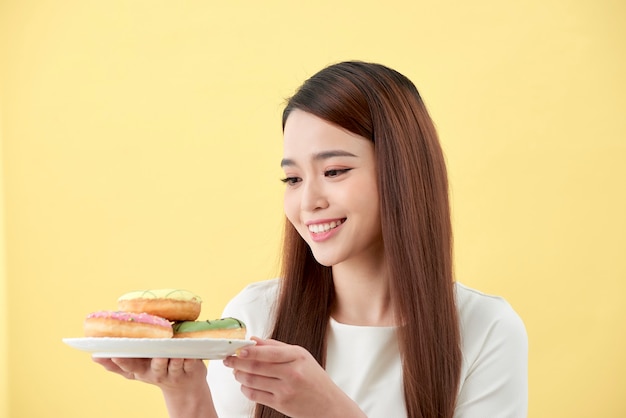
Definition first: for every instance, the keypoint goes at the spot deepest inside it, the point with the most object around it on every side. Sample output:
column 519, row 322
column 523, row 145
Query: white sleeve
column 495, row 374
column 253, row 307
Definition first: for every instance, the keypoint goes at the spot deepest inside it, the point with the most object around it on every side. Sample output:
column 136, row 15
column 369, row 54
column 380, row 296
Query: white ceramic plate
column 197, row 348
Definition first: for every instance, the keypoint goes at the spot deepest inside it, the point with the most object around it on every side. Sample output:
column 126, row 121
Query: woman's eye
column 290, row 180
column 336, row 172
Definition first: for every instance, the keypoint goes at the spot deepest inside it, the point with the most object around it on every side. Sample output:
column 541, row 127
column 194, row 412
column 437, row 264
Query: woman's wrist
column 342, row 406
column 189, row 404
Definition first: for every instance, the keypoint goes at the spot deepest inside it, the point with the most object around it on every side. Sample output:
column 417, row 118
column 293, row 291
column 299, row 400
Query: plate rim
column 107, row 351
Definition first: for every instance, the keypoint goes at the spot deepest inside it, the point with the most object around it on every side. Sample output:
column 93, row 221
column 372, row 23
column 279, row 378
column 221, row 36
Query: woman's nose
column 313, row 196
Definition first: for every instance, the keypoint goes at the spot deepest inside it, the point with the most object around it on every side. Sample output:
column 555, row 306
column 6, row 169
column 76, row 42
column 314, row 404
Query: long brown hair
column 379, row 103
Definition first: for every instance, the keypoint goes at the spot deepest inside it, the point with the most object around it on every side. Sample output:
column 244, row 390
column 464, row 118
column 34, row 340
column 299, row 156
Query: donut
column 227, row 328
column 126, row 325
column 171, row 304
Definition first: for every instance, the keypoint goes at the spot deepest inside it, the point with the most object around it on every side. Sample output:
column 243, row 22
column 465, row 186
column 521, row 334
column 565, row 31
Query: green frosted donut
column 216, row 324
column 225, row 328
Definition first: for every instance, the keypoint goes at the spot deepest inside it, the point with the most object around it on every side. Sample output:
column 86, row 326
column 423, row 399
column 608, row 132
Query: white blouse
column 365, row 362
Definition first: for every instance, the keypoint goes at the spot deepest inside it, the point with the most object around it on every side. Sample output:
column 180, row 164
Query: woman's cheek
column 291, row 207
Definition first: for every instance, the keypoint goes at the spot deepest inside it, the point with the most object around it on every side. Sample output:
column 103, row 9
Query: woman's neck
column 362, row 295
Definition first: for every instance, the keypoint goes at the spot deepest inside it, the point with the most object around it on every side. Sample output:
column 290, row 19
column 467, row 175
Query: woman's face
column 331, row 195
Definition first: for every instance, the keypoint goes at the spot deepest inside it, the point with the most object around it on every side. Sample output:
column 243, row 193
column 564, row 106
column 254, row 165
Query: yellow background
column 140, row 149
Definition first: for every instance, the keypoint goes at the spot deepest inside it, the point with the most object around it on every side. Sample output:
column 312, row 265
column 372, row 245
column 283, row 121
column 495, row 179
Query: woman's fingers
column 132, row 365
column 175, row 366
column 286, row 378
column 261, row 341
column 125, row 367
column 258, row 396
column 159, row 365
column 256, row 381
column 267, row 367
column 271, row 351
column 107, row 364
column 154, row 370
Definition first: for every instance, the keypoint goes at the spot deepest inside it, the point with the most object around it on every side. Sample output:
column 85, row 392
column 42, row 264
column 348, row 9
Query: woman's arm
column 496, row 383
column 287, row 378
column 182, row 382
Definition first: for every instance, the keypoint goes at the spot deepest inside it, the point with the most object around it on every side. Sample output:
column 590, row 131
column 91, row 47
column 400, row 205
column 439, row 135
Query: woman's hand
column 287, row 378
column 182, row 381
column 176, row 373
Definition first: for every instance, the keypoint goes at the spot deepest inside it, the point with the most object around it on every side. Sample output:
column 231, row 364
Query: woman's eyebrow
column 286, row 162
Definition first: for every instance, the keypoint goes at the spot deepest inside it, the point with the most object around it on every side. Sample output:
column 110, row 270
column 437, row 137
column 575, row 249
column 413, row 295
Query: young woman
column 366, row 319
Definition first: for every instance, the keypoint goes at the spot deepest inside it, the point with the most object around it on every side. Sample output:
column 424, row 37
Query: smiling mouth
column 325, row 227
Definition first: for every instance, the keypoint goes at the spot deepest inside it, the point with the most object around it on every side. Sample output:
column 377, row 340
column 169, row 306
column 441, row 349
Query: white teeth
column 317, row 228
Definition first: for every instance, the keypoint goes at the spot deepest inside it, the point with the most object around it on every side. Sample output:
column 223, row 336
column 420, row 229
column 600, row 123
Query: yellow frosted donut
column 171, row 304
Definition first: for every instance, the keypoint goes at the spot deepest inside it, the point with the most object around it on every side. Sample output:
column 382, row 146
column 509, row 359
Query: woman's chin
column 325, row 259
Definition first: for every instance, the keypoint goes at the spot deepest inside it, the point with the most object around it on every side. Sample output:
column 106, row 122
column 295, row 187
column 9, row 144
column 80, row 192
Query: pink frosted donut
column 126, row 325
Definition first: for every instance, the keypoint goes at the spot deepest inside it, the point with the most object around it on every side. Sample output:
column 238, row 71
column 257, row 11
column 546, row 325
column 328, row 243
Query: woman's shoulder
column 486, row 318
column 258, row 292
column 494, row 374
column 483, row 307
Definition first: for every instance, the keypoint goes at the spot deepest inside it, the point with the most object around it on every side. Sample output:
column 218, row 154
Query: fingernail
column 243, row 353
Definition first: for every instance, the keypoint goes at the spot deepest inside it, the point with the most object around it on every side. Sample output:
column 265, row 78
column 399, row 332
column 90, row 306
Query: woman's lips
column 322, row 230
